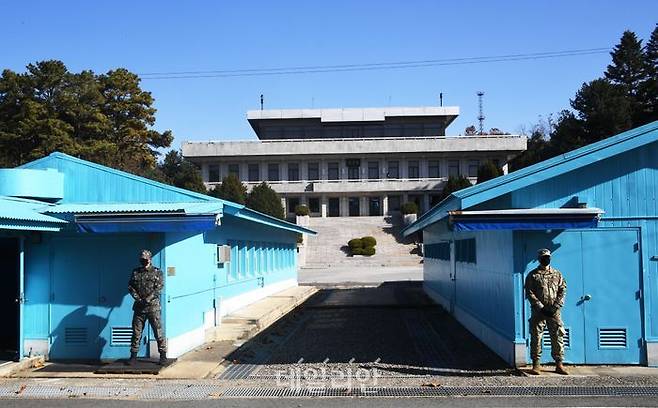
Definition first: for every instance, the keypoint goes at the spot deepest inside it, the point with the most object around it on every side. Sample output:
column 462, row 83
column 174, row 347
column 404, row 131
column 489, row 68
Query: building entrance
column 353, row 208
column 334, row 207
column 9, row 298
column 375, row 207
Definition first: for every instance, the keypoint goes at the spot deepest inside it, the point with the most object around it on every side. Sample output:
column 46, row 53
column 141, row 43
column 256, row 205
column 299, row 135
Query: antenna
column 441, row 99
column 481, row 116
column 261, row 101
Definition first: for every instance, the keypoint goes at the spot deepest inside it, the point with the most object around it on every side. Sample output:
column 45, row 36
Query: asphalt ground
column 393, row 328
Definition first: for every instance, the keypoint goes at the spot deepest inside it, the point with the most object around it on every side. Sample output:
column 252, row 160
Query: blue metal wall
column 261, row 256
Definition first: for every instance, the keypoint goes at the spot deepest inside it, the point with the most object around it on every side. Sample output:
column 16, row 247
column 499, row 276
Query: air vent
column 121, row 336
column 612, row 338
column 75, row 335
column 546, row 338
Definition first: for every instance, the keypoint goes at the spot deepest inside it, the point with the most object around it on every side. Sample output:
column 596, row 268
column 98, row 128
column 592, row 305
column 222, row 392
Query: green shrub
column 368, row 251
column 357, row 251
column 369, row 241
column 302, row 209
column 300, row 238
column 409, row 208
column 355, row 243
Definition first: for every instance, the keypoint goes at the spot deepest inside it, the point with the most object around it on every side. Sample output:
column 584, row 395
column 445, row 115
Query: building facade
column 352, row 162
column 70, row 235
column 594, row 208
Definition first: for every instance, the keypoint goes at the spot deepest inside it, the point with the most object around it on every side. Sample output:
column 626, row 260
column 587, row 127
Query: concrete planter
column 303, row 220
column 409, row 218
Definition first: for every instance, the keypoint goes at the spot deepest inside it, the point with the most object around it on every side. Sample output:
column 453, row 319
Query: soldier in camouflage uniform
column 546, row 288
column 145, row 286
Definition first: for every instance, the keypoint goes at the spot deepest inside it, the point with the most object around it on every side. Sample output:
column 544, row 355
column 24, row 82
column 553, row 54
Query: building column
column 285, row 206
column 385, row 205
column 343, row 207
column 363, row 206
column 405, row 198
column 323, row 206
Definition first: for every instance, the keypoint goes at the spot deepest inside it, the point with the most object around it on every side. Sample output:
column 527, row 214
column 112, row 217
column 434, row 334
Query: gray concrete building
column 352, row 162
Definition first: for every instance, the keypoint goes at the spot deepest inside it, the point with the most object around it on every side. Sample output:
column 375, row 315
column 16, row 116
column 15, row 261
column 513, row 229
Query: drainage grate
column 440, row 392
column 238, row 371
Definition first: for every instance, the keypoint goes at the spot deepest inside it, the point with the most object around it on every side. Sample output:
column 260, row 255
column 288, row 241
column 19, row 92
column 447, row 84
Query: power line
column 247, row 72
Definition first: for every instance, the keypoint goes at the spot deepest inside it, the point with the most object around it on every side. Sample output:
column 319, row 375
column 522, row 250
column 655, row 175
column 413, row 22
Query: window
column 314, row 171
column 465, row 250
column 353, row 169
column 234, row 169
column 373, row 170
column 293, row 202
column 440, row 250
column 453, row 168
column 433, row 169
column 273, row 172
column 414, row 171
column 254, row 172
column 473, row 168
column 332, row 171
column 393, row 170
column 314, row 204
column 394, row 202
column 213, row 173
column 293, row 171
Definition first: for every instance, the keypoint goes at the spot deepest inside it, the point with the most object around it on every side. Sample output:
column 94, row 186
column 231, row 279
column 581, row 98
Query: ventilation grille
column 612, row 338
column 75, row 335
column 121, row 336
column 546, row 338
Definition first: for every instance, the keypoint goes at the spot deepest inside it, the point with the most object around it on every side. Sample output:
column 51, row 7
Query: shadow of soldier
column 77, row 337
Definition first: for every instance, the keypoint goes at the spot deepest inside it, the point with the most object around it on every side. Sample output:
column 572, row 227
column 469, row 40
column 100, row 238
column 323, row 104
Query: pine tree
column 264, row 199
column 181, row 172
column 487, row 171
column 629, row 70
column 231, row 189
column 454, row 184
column 650, row 86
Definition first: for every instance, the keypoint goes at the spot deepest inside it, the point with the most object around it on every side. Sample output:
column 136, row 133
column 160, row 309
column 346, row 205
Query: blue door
column 602, row 311
column 91, row 307
column 611, row 297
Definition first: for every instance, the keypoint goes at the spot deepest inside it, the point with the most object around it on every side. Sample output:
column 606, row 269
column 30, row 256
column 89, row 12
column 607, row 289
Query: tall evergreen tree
column 264, row 199
column 629, row 70
column 231, row 189
column 181, row 172
column 650, row 88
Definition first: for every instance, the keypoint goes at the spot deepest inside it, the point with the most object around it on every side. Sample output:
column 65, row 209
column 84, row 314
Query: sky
column 179, row 36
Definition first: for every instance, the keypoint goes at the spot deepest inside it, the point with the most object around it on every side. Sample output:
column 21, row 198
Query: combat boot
column 559, row 368
column 536, row 368
column 163, row 358
column 133, row 359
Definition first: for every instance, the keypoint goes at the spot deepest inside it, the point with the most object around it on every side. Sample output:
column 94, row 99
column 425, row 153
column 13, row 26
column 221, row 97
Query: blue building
column 70, row 234
column 595, row 208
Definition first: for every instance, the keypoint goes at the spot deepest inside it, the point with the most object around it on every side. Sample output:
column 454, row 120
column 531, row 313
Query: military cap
column 145, row 254
column 543, row 252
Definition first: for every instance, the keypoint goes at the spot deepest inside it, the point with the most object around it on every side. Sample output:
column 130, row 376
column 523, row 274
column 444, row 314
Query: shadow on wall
column 79, row 330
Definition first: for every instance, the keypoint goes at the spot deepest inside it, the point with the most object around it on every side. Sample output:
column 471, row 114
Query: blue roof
column 94, row 188
column 538, row 172
column 21, row 214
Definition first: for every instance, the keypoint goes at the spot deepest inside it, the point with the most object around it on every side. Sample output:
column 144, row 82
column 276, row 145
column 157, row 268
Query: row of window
column 465, row 250
column 353, row 170
column 252, row 259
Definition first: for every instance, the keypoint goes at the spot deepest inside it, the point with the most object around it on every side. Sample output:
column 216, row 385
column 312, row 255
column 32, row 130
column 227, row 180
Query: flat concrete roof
column 301, row 147
column 354, row 114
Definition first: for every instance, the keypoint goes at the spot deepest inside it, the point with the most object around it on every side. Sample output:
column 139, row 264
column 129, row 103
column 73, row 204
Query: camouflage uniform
column 545, row 286
column 145, row 286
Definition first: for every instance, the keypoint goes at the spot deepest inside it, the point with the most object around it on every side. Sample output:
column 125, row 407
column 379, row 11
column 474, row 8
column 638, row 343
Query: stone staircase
column 329, row 247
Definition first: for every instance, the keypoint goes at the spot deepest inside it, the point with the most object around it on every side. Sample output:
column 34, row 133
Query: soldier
column 145, row 286
column 545, row 288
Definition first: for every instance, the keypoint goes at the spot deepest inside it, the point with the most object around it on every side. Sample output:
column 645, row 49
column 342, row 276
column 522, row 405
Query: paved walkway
column 359, row 275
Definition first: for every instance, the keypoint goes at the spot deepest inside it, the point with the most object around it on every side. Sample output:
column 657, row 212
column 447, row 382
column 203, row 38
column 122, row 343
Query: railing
column 347, row 139
column 360, row 180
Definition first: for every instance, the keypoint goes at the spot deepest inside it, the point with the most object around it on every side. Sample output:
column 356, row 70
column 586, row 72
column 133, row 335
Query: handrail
column 363, row 139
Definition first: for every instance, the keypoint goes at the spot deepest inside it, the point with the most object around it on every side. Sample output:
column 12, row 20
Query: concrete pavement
column 369, row 275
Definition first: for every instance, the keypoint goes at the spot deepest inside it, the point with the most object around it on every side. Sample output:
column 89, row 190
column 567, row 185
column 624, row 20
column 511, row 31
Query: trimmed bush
column 409, row 208
column 357, row 251
column 300, row 238
column 355, row 243
column 301, row 209
column 369, row 241
column 368, row 251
